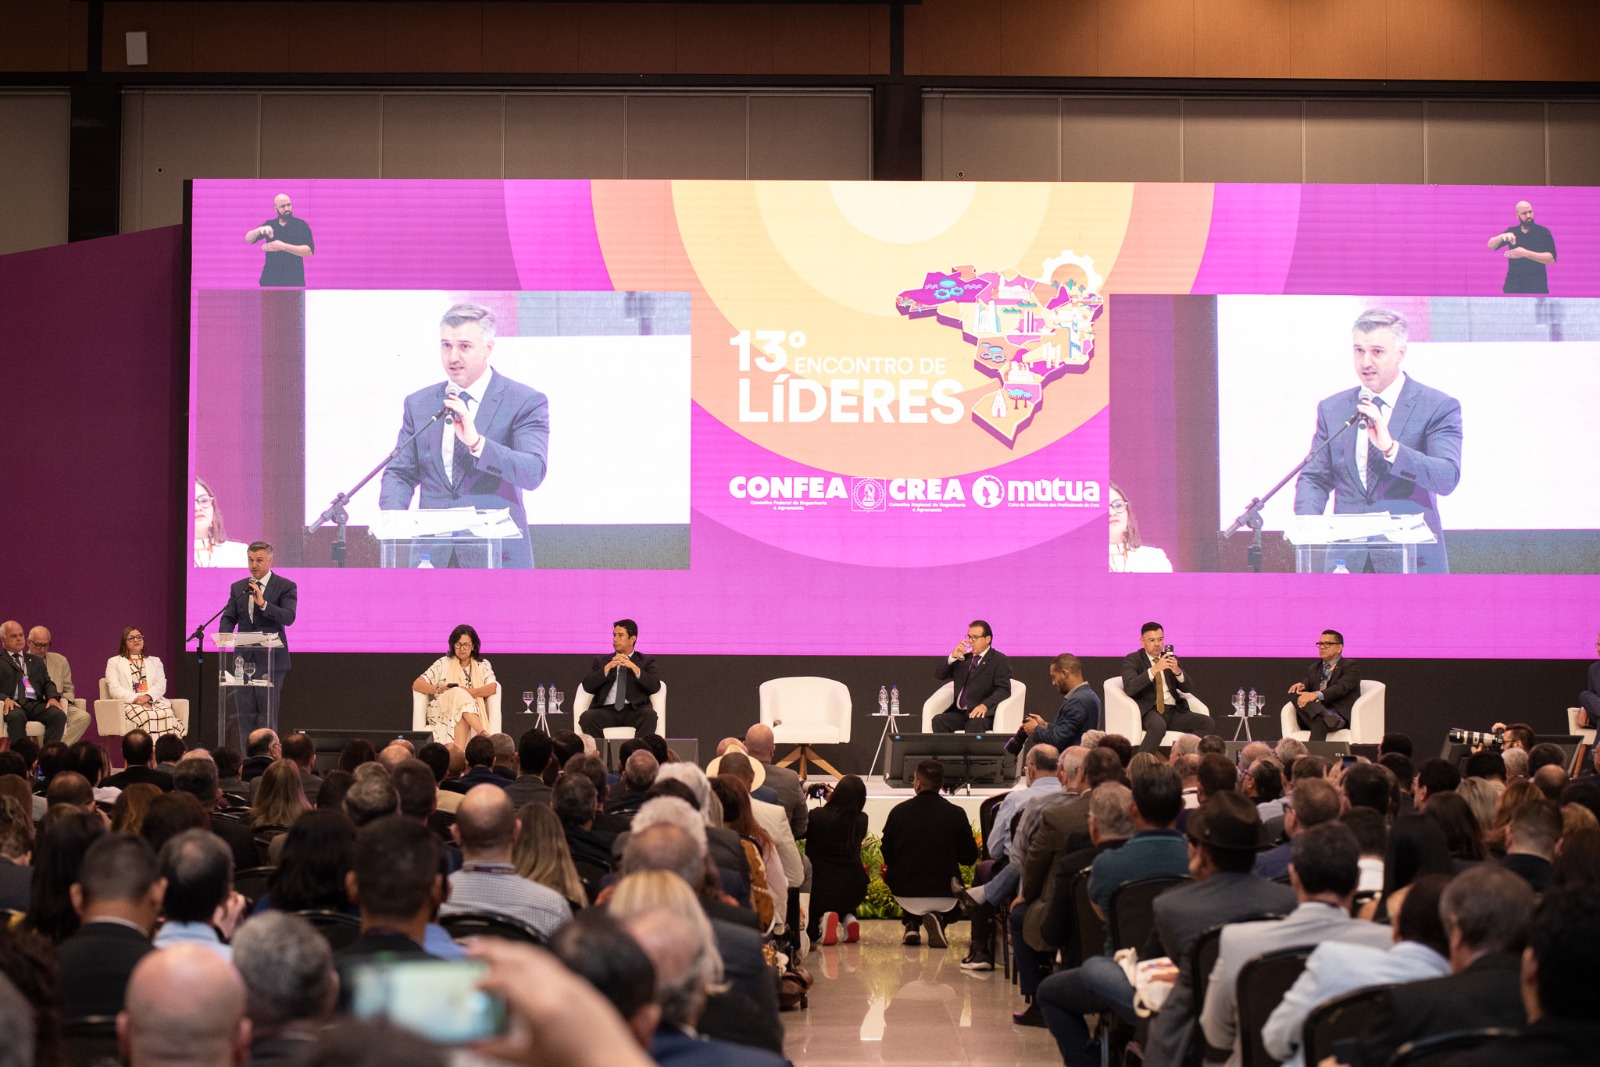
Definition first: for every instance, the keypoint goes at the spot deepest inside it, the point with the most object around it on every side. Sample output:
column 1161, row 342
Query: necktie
column 973, row 662
column 1161, row 691
column 462, row 454
column 1371, row 454
column 22, row 673
column 621, row 700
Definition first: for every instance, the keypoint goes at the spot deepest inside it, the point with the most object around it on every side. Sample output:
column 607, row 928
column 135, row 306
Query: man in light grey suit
column 1324, row 871
column 1223, row 838
column 1334, row 969
column 493, row 442
column 1407, row 456
column 60, row 671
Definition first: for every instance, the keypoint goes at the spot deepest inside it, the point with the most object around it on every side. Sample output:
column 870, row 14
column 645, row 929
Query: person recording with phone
column 981, row 675
column 266, row 603
column 491, row 441
column 1323, row 701
column 1405, row 452
column 1156, row 681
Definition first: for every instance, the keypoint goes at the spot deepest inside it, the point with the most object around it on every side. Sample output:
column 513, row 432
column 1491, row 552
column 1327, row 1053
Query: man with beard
column 288, row 245
column 1529, row 248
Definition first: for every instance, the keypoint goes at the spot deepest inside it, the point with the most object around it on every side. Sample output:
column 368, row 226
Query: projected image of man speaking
column 495, row 443
column 1408, row 455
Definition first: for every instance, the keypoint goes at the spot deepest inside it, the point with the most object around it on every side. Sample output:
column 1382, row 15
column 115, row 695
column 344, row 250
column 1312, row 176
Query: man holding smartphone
column 1323, row 701
column 982, row 678
column 1153, row 677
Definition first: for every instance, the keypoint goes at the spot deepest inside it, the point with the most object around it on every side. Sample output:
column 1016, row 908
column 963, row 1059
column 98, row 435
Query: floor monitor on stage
column 969, row 759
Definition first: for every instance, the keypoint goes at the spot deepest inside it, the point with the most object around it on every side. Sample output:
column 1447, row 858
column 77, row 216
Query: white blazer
column 119, row 678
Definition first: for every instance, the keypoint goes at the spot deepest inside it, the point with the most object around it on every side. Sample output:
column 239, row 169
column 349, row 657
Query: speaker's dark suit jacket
column 43, row 688
column 95, row 964
column 1427, row 424
column 1344, row 686
column 989, row 682
column 1488, row 992
column 283, row 600
column 636, row 691
column 1138, row 684
column 514, row 420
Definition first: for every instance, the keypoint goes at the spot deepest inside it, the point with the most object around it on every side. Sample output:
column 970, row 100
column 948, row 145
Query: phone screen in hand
column 435, row 999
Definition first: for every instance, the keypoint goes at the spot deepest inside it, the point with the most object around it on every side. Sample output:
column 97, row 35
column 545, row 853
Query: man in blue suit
column 1408, row 455
column 265, row 602
column 494, row 443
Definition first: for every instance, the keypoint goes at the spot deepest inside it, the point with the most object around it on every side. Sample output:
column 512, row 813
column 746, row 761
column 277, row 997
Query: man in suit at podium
column 264, row 603
column 1406, row 457
column 621, row 686
column 982, row 677
column 493, row 442
column 1153, row 678
column 1323, row 701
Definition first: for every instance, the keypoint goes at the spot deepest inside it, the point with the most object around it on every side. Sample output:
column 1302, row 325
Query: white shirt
column 1388, row 396
column 262, row 582
column 476, row 391
column 1166, row 690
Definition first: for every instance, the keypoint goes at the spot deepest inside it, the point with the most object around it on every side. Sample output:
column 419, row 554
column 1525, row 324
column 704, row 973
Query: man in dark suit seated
column 1531, row 842
column 1486, row 911
column 621, row 686
column 1158, row 684
column 262, row 748
column 1080, row 708
column 118, row 896
column 138, row 755
column 925, row 841
column 1323, row 701
column 26, row 692
column 397, row 882
column 981, row 675
column 1560, row 986
column 290, row 984
column 638, row 775
column 480, row 768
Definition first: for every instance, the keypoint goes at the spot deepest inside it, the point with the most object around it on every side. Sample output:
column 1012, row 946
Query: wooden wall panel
column 1051, row 38
column 626, row 39
column 1243, row 39
column 78, row 44
column 321, row 135
column 1000, row 138
column 1435, row 39
column 1358, row 141
column 808, row 39
column 34, row 34
column 530, row 38
column 811, row 137
column 723, row 39
column 35, row 128
column 188, row 135
column 437, row 135
column 335, row 37
column 566, row 136
column 1110, row 140
column 1574, row 134
column 1485, row 142
column 241, row 37
column 433, row 38
column 960, row 37
column 687, row 136
column 1242, row 141
column 1147, row 38
column 1541, row 41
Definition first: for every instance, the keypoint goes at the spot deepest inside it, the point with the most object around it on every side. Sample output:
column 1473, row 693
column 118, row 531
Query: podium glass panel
column 1357, row 542
column 466, row 551
column 1354, row 556
column 247, row 699
column 460, row 537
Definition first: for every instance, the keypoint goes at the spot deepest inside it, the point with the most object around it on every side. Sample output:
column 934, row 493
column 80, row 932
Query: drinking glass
column 249, row 672
column 527, row 700
column 556, row 697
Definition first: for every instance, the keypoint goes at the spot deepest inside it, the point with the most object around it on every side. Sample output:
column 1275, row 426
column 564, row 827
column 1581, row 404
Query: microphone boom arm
column 1251, row 516
column 336, row 513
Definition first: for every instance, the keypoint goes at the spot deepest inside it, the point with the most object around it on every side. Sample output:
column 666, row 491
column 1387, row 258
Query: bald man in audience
column 185, row 1009
column 72, row 789
column 394, row 754
column 486, row 828
column 760, row 745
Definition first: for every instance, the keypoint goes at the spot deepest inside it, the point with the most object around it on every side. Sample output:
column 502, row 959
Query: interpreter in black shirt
column 288, row 245
column 1529, row 248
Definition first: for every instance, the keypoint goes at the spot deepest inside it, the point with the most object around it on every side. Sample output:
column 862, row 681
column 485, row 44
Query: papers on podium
column 492, row 523
column 1358, row 528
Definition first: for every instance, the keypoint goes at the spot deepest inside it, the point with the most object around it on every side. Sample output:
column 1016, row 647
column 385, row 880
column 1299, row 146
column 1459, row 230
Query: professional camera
column 1476, row 739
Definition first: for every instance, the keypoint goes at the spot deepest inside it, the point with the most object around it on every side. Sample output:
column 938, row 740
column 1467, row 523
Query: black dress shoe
column 913, row 937
column 1030, row 1016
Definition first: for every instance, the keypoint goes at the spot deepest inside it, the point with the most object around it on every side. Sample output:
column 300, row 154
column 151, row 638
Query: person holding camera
column 1155, row 680
column 1323, row 701
column 458, row 686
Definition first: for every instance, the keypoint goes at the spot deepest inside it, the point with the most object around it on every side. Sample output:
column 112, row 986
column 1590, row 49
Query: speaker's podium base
column 804, row 754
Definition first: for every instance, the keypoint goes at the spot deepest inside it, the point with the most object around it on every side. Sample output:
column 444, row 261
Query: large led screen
column 846, row 418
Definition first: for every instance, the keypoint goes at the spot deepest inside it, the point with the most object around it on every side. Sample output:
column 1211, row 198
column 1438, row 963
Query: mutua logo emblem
column 866, row 494
column 989, row 491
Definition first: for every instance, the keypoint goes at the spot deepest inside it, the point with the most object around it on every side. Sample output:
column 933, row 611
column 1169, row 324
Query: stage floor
column 882, row 797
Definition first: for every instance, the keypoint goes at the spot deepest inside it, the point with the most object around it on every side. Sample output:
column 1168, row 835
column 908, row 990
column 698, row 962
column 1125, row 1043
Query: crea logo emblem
column 866, row 494
column 988, row 491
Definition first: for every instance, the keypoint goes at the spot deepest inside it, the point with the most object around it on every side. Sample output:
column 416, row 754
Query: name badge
column 140, row 686
column 27, row 688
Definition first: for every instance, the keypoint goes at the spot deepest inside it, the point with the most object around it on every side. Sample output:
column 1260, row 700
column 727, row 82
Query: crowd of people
column 1463, row 891
column 200, row 907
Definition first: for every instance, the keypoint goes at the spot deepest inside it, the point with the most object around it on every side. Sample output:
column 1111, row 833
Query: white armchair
column 108, row 718
column 806, row 711
column 1366, row 718
column 1574, row 717
column 1007, row 715
column 583, row 700
column 35, row 730
column 419, row 710
column 1122, row 711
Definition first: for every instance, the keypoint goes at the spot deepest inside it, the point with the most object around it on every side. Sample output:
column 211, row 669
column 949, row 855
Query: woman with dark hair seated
column 140, row 683
column 317, row 853
column 1461, row 830
column 768, row 885
column 457, row 686
column 834, row 834
column 356, row 751
column 64, row 837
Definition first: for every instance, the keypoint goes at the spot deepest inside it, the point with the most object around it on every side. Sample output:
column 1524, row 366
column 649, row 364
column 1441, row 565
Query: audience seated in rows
column 486, row 828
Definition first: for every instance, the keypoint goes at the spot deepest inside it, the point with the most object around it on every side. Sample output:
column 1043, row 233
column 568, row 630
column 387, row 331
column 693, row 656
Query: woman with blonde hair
column 541, row 854
column 1511, row 798
column 280, row 799
column 1128, row 552
column 128, row 813
column 646, row 891
column 1481, row 795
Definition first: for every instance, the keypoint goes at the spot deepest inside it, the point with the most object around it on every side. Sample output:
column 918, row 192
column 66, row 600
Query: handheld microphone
column 1361, row 420
column 451, row 392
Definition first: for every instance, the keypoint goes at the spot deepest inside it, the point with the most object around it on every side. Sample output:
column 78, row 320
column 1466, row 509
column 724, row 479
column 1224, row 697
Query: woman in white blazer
column 140, row 682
